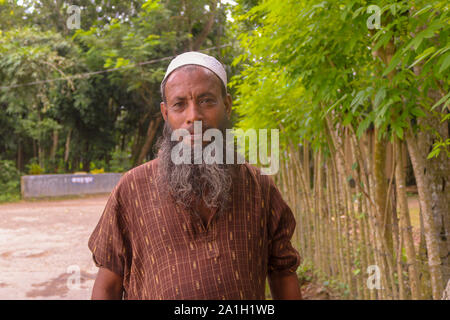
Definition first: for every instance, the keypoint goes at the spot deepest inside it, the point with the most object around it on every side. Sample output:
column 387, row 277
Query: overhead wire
column 91, row 73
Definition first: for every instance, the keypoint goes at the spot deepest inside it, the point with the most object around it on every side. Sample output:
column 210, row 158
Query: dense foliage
column 88, row 98
column 353, row 80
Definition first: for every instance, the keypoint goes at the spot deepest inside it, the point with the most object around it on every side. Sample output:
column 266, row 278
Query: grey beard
column 189, row 183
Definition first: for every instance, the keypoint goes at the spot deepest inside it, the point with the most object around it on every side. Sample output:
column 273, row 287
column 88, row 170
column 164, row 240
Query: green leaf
column 358, row 12
column 363, row 126
column 425, row 9
column 445, row 98
column 383, row 40
column 335, row 104
column 121, row 62
column 108, row 63
column 423, row 55
column 347, row 119
column 434, row 153
column 418, row 112
column 394, row 62
column 440, row 51
column 445, row 64
column 393, row 9
column 359, row 99
column 381, row 94
column 399, row 131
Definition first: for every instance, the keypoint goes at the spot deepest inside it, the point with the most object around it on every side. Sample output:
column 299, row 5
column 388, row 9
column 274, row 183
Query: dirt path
column 43, row 248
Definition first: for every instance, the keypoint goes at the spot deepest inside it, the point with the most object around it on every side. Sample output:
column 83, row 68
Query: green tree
column 316, row 71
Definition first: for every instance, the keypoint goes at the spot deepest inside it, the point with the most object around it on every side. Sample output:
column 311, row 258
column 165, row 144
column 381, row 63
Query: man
column 194, row 231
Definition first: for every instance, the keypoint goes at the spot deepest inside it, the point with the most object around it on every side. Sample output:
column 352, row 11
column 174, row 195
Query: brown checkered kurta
column 165, row 252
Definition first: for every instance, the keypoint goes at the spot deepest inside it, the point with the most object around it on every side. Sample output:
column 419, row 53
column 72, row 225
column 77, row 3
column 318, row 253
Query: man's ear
column 163, row 110
column 228, row 104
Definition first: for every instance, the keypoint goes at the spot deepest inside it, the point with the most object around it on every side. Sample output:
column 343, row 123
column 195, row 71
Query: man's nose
column 193, row 113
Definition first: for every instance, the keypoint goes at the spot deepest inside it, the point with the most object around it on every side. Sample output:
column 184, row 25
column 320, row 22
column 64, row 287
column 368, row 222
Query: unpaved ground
column 43, row 248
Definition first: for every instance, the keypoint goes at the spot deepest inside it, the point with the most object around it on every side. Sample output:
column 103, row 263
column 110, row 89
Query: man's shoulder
column 144, row 173
column 144, row 168
column 257, row 175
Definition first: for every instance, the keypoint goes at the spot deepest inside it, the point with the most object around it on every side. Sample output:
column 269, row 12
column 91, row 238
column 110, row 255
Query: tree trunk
column 86, row 158
column 67, row 147
column 446, row 294
column 151, row 131
column 431, row 236
column 379, row 173
column 207, row 27
column 219, row 31
column 54, row 145
column 40, row 154
column 19, row 164
column 438, row 173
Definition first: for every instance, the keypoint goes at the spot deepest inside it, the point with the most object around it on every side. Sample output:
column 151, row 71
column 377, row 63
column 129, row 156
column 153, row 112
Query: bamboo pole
column 330, row 232
column 405, row 221
column 321, row 226
column 315, row 215
column 338, row 233
column 308, row 211
column 301, row 206
column 354, row 233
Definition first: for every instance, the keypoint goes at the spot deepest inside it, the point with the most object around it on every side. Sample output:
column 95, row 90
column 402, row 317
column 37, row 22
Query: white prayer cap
column 199, row 59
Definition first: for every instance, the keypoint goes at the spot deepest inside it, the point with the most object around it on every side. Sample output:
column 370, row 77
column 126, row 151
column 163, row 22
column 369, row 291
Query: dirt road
column 43, row 248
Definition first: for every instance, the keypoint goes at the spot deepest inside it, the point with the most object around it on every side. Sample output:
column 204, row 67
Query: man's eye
column 206, row 101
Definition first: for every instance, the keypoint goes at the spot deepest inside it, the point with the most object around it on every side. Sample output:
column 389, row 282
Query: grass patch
column 68, row 197
column 308, row 275
column 16, row 197
column 10, row 197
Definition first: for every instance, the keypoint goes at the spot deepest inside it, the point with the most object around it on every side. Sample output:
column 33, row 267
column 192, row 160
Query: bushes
column 35, row 168
column 9, row 181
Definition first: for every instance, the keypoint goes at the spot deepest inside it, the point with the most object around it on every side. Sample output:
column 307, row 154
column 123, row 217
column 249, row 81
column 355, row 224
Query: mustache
column 204, row 128
column 225, row 124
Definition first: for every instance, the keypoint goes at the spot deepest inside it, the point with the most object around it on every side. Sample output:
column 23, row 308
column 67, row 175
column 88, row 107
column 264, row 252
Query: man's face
column 194, row 93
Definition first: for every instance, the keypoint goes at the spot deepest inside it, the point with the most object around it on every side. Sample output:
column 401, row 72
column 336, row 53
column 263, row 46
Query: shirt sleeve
column 108, row 242
column 283, row 257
